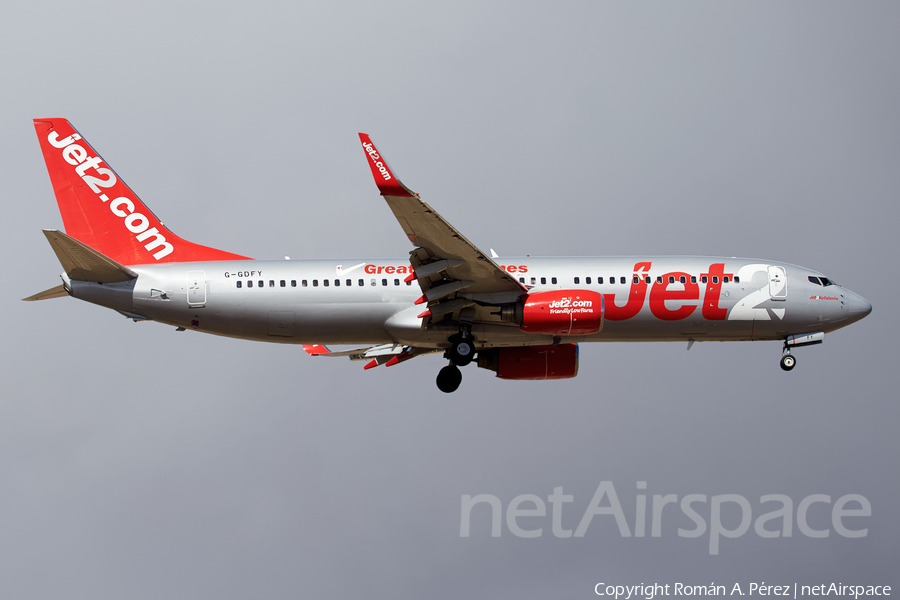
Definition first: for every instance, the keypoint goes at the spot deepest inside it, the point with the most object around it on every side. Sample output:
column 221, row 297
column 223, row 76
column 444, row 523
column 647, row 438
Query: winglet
column 387, row 182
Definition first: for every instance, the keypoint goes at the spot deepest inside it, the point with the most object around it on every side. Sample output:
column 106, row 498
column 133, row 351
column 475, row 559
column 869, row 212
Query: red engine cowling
column 532, row 362
column 563, row 312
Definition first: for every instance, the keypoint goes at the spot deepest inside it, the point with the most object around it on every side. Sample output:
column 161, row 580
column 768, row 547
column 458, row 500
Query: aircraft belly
column 301, row 323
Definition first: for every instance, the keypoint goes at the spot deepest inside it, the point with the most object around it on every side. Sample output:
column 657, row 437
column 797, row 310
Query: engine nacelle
column 560, row 312
column 531, row 362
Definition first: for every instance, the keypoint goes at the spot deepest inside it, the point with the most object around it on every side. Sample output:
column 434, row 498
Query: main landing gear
column 449, row 378
column 460, row 353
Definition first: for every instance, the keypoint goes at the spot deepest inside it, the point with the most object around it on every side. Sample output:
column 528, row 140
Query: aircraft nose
column 859, row 307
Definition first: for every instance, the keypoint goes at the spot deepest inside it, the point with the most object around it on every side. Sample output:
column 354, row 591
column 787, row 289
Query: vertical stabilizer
column 101, row 211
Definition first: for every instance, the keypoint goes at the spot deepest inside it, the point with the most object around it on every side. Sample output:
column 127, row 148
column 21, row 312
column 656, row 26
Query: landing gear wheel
column 788, row 362
column 461, row 352
column 448, row 379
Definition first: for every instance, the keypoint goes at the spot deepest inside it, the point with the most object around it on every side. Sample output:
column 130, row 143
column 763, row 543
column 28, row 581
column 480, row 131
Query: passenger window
column 283, row 283
column 362, row 282
column 659, row 279
column 704, row 279
column 716, row 279
column 326, row 283
column 337, row 283
column 239, row 284
column 384, row 282
column 622, row 280
column 409, row 283
column 587, row 280
column 373, row 282
column 725, row 280
column 293, row 283
column 303, row 283
column 315, row 283
column 553, row 280
column 396, row 282
column 599, row 281
column 578, row 280
column 349, row 282
column 671, row 279
column 261, row 283
column 533, row 281
column 635, row 279
column 682, row 279
column 271, row 283
column 693, row 279
column 647, row 279
column 543, row 281
column 249, row 283
column 737, row 279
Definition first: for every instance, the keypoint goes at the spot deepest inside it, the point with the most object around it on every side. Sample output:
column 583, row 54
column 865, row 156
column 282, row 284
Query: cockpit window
column 814, row 280
column 826, row 282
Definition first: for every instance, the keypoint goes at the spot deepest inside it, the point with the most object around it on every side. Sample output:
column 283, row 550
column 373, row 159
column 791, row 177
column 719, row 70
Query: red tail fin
column 100, row 210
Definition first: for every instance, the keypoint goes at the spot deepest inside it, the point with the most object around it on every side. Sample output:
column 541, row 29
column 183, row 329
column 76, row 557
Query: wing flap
column 382, row 354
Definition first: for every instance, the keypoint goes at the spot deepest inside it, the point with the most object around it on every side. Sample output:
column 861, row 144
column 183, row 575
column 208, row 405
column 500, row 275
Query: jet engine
column 559, row 312
column 531, row 362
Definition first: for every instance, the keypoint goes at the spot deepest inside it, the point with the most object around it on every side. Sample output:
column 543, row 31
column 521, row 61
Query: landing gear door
column 777, row 283
column 196, row 293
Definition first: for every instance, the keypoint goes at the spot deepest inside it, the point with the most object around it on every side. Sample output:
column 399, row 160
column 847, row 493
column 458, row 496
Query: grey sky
column 138, row 462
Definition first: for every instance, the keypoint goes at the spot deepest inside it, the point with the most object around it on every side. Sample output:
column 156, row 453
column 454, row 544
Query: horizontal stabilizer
column 83, row 263
column 57, row 292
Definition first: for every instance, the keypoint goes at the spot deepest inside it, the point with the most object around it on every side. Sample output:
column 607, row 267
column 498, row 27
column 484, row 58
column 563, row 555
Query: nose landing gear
column 788, row 361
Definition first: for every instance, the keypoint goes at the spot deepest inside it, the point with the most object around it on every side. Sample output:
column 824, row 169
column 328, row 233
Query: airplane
column 521, row 317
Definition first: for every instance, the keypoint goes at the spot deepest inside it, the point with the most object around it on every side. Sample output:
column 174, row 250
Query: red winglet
column 427, row 313
column 370, row 364
column 316, row 349
column 387, row 182
column 411, row 277
column 392, row 362
column 421, row 300
column 100, row 210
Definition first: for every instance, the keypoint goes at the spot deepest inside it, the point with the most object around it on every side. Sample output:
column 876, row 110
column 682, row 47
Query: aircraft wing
column 384, row 354
column 446, row 264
